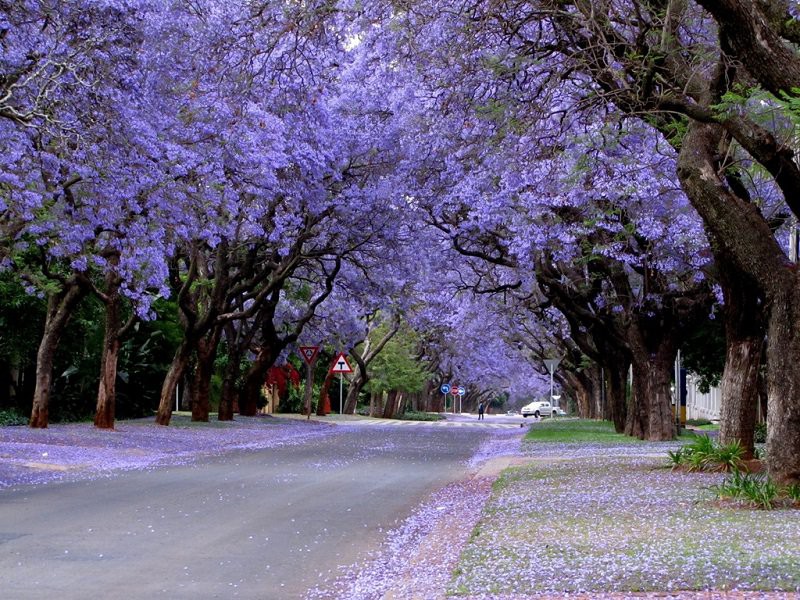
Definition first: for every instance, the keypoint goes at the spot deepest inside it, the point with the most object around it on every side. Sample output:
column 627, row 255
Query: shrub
column 756, row 490
column 760, row 435
column 12, row 417
column 760, row 491
column 728, row 457
column 411, row 415
column 793, row 492
column 697, row 422
column 703, row 454
column 677, row 458
column 731, row 487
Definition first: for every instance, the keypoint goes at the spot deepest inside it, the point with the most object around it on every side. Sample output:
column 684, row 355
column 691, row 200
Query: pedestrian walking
column 480, row 410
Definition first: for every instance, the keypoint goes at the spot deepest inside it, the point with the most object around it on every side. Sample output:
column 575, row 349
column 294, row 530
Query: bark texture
column 107, row 390
column 744, row 331
column 60, row 307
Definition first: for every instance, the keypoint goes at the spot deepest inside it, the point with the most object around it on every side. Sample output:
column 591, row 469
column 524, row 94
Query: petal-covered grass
column 598, row 518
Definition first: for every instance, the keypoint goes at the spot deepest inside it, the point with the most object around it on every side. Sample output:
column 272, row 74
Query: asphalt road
column 265, row 524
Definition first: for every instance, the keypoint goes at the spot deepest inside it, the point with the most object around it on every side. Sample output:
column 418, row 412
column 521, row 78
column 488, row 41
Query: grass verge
column 576, row 431
column 597, row 522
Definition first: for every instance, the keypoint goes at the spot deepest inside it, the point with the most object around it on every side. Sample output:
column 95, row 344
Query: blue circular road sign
column 445, row 388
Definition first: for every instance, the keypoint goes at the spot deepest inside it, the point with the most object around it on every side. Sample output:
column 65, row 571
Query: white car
column 541, row 409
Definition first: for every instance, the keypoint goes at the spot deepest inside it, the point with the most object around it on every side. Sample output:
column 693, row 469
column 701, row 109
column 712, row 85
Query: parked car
column 542, row 409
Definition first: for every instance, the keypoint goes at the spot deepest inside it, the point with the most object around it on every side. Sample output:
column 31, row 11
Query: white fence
column 701, row 405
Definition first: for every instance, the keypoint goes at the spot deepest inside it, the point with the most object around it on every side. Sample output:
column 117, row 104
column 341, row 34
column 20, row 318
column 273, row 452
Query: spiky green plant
column 757, row 490
column 676, row 458
column 728, row 457
column 793, row 492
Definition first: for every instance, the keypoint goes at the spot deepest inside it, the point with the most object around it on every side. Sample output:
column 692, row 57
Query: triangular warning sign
column 340, row 364
column 309, row 353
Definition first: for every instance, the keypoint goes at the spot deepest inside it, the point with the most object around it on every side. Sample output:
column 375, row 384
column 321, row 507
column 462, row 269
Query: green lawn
column 576, row 431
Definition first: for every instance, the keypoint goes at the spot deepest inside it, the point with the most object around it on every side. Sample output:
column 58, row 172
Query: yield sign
column 340, row 364
column 309, row 353
column 551, row 364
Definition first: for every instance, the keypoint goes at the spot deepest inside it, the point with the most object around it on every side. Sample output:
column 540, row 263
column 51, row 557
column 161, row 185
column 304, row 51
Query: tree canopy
column 510, row 181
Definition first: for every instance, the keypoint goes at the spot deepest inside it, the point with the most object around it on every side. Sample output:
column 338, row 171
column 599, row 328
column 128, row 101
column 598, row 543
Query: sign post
column 309, row 356
column 445, row 389
column 455, row 391
column 461, row 393
column 552, row 365
column 341, row 366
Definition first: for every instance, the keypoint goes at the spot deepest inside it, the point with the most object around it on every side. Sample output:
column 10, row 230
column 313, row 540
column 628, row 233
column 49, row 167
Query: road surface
column 260, row 524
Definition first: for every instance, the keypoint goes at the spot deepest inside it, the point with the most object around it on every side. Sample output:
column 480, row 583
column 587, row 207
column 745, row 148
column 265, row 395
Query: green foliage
column 397, row 366
column 577, row 431
column 793, row 492
column 760, row 434
column 21, row 316
column 411, row 415
column 703, row 454
column 756, row 490
column 11, row 417
column 677, row 458
column 77, row 365
column 703, row 353
column 728, row 457
column 293, row 402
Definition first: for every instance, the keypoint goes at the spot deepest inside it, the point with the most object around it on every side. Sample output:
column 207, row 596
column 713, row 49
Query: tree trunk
column 229, row 391
column 106, row 393
column 615, row 394
column 750, row 241
column 206, row 356
column 254, row 380
column 651, row 415
column 783, row 385
column 739, row 390
column 174, row 375
column 595, row 400
column 582, row 387
column 353, row 390
column 744, row 332
column 390, row 409
column 59, row 310
column 375, row 404
column 324, row 402
column 228, row 397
